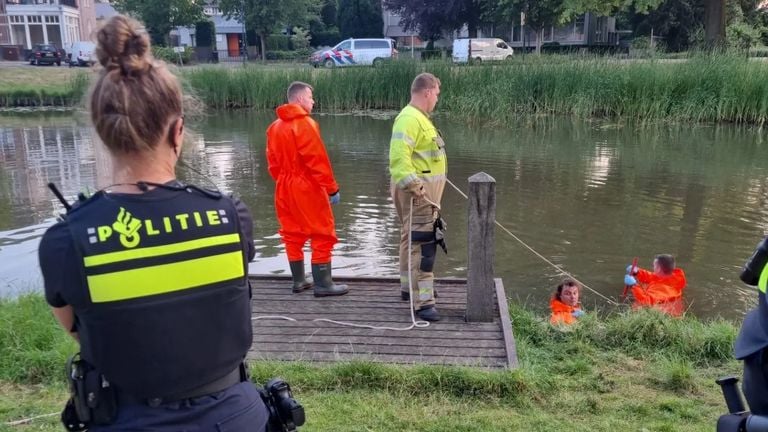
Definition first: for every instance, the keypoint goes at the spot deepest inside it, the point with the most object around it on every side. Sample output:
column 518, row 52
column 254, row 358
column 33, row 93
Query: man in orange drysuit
column 661, row 289
column 304, row 190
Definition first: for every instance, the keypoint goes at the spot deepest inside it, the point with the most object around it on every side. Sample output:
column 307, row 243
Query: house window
column 51, row 19
column 578, row 28
column 17, row 19
column 34, row 19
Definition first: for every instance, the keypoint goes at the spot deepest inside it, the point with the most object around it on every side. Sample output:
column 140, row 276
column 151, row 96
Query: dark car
column 45, row 54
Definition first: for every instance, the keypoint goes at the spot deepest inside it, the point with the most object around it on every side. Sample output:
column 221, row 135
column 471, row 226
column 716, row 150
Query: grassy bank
column 718, row 88
column 28, row 86
column 637, row 371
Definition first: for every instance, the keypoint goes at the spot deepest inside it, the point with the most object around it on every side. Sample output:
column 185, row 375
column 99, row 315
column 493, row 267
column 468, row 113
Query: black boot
column 324, row 286
column 300, row 281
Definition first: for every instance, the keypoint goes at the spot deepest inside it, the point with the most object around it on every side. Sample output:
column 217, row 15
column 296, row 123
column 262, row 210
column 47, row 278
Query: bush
column 205, row 34
column 278, row 43
column 326, row 38
column 169, row 56
column 301, row 54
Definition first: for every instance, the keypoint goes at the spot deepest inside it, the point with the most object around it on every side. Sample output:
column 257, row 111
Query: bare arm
column 66, row 317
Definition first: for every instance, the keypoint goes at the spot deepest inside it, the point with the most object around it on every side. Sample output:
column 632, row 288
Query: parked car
column 82, row 53
column 481, row 49
column 355, row 52
column 45, row 54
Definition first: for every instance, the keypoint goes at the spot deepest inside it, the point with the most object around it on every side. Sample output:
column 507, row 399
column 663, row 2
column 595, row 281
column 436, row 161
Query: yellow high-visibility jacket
column 416, row 150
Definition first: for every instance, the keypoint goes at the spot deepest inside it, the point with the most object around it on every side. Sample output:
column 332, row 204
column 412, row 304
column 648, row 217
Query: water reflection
column 588, row 195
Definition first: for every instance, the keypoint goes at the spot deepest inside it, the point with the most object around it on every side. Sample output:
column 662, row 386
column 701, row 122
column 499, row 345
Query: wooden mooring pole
column 480, row 243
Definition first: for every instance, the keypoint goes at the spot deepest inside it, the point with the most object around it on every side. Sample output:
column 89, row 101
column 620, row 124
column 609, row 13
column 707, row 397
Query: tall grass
column 703, row 88
column 33, row 348
column 68, row 94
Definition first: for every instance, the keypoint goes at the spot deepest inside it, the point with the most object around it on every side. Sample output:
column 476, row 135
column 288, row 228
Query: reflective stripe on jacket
column 416, row 150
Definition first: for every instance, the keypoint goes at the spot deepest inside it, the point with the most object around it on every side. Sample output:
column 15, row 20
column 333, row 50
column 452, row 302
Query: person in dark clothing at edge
column 149, row 274
column 752, row 342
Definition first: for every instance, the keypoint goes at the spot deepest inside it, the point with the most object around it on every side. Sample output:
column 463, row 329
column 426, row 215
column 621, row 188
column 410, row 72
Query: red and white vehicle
column 355, row 52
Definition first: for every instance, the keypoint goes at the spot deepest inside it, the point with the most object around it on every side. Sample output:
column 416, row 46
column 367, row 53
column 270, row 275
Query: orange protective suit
column 661, row 292
column 304, row 181
column 561, row 312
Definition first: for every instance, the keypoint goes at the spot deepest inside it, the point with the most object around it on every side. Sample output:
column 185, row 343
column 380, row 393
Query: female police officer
column 149, row 274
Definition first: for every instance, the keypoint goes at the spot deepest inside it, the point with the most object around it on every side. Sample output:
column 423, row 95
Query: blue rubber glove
column 630, row 280
column 335, row 198
column 578, row 313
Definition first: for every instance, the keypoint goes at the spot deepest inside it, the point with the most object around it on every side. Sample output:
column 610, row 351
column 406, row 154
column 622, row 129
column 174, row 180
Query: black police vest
column 169, row 307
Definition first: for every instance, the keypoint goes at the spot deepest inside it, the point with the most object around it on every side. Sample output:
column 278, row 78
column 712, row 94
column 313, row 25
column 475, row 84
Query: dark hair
column 135, row 97
column 666, row 262
column 563, row 284
column 295, row 88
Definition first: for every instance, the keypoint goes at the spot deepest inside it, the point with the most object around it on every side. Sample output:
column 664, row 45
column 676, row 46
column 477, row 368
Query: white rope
column 538, row 254
column 414, row 322
column 30, row 419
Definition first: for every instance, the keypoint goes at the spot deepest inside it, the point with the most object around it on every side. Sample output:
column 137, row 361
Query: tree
column 714, row 22
column 360, row 18
column 432, row 18
column 265, row 16
column 678, row 21
column 160, row 17
column 540, row 14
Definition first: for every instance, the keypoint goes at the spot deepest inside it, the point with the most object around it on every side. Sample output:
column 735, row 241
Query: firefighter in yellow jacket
column 417, row 165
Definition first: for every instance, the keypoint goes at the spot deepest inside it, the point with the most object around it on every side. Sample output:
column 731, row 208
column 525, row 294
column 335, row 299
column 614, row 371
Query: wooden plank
column 455, row 326
column 437, row 335
column 360, row 290
column 403, row 318
column 480, row 245
column 339, row 308
column 506, row 325
column 384, row 280
column 348, row 302
column 383, row 349
column 373, row 340
column 496, row 362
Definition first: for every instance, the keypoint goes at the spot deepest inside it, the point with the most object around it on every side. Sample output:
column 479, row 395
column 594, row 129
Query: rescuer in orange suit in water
column 564, row 304
column 305, row 188
column 660, row 289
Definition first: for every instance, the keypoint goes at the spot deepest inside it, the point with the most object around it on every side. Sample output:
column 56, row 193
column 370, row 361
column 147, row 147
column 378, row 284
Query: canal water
column 589, row 195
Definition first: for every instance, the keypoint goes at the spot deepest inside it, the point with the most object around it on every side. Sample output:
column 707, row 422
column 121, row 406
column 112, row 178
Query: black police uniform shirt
column 158, row 283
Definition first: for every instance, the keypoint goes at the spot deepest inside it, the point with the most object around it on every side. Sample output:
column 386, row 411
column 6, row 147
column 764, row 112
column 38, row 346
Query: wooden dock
column 376, row 301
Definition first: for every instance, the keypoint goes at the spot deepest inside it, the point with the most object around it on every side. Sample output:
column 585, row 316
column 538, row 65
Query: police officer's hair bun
column 123, row 44
column 135, row 97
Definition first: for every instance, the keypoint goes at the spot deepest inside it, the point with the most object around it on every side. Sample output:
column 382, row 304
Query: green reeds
column 65, row 95
column 703, row 88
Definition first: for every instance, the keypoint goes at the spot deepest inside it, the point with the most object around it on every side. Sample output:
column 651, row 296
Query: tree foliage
column 360, row 18
column 264, row 17
column 160, row 17
column 432, row 18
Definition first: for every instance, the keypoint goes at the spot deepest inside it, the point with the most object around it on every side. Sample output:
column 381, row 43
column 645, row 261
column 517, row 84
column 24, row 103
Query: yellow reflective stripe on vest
column 155, row 251
column 165, row 278
column 763, row 282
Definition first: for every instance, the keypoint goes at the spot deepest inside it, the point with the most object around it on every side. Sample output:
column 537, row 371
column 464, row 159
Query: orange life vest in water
column 561, row 312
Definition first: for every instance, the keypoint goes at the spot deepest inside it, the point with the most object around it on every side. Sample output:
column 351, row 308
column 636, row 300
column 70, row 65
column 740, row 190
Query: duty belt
column 239, row 374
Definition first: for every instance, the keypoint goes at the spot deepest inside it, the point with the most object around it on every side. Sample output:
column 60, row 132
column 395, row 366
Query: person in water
column 660, row 288
column 564, row 304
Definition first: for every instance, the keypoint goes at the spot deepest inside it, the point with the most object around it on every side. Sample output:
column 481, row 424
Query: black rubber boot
column 324, row 286
column 300, row 281
column 428, row 313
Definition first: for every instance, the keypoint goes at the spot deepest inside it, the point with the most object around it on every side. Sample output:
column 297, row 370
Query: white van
column 82, row 53
column 481, row 49
column 355, row 52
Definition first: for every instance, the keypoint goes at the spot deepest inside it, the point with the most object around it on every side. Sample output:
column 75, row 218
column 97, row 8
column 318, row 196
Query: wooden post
column 480, row 244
